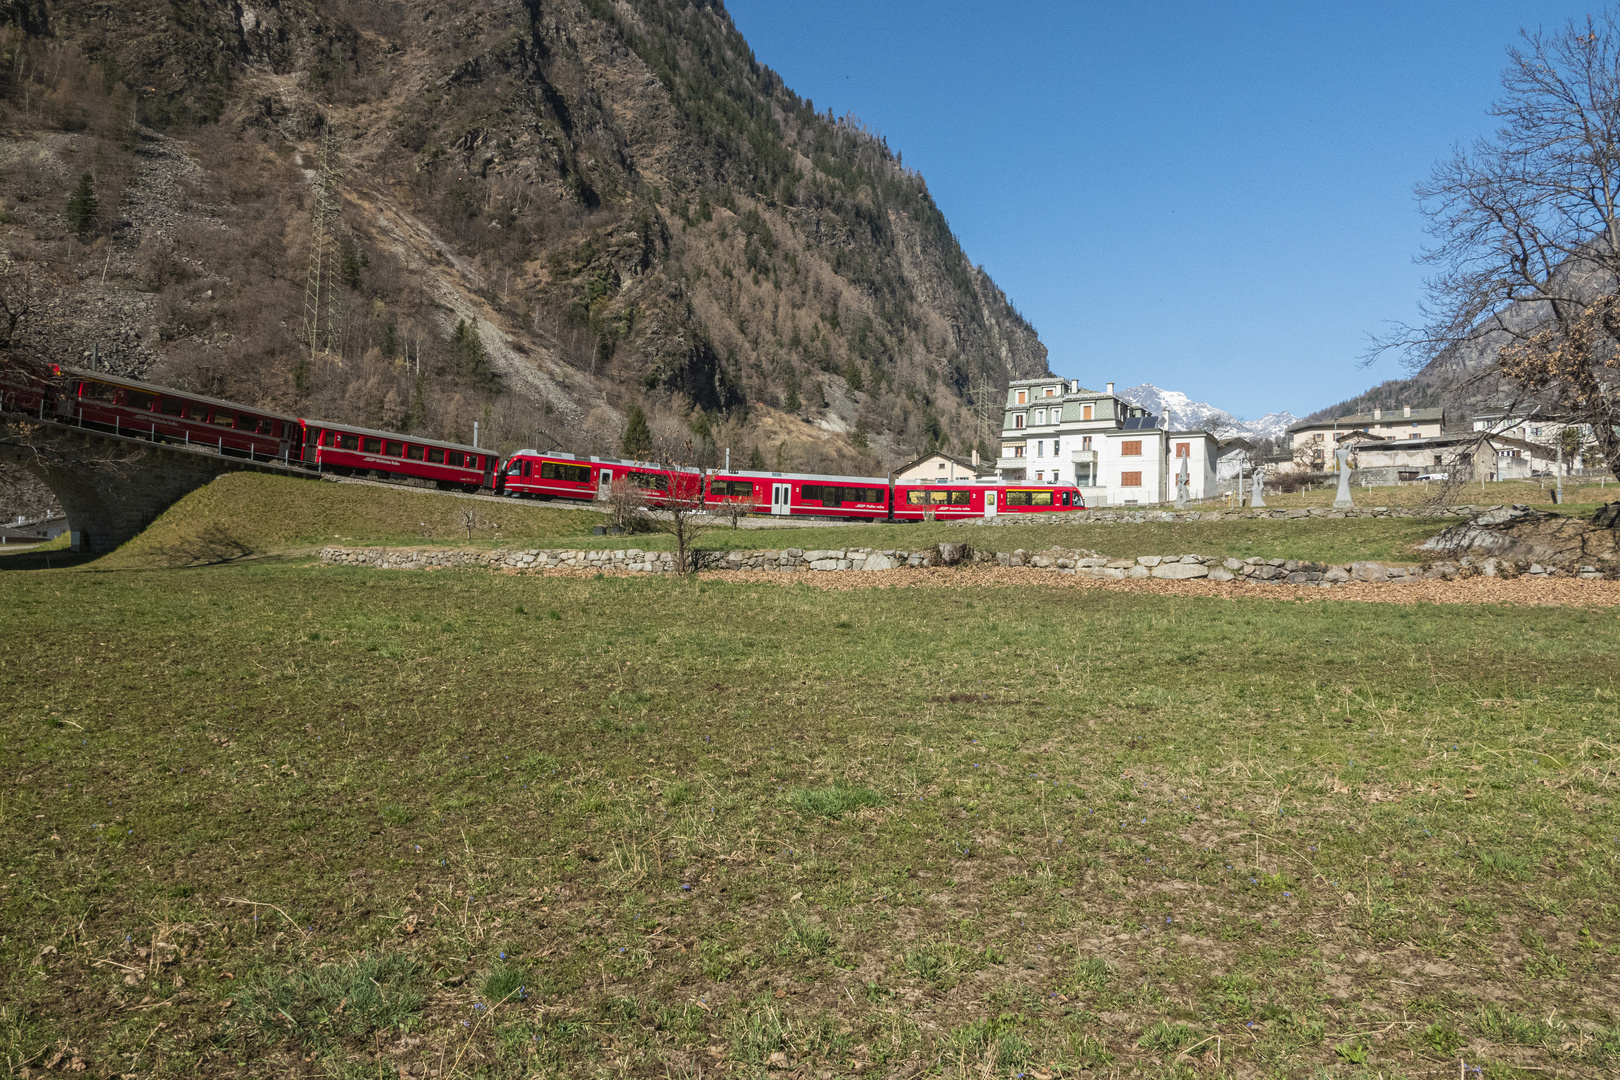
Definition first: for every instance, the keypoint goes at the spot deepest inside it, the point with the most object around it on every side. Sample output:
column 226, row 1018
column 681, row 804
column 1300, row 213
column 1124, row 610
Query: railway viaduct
column 112, row 486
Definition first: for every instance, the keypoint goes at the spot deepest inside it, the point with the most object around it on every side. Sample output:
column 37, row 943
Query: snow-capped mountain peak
column 1186, row 414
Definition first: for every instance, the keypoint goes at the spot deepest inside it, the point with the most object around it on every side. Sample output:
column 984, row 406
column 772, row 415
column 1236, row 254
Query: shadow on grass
column 49, row 559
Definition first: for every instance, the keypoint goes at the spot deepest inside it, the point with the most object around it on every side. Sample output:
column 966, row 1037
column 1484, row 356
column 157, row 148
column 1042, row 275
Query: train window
column 513, row 467
column 949, row 498
column 732, row 489
column 436, row 455
column 414, row 453
column 348, row 442
column 527, row 468
column 1017, row 498
column 97, row 391
column 453, row 458
column 197, row 412
column 135, row 399
column 394, row 449
column 244, row 422
column 371, row 446
column 1040, row 498
column 916, row 498
column 224, row 418
column 270, row 427
column 556, row 470
column 650, row 481
column 169, row 406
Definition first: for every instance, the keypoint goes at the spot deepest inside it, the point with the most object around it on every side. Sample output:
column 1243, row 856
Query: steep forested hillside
column 541, row 214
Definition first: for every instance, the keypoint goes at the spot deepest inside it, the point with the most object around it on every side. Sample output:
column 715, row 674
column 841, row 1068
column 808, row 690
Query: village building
column 1464, row 456
column 1313, row 442
column 941, row 468
column 1054, row 431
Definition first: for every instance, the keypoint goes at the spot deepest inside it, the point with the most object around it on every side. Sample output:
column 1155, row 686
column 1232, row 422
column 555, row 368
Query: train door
column 989, row 503
column 604, row 483
column 781, row 499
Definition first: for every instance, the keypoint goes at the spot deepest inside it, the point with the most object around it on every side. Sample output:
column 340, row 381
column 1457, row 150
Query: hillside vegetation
column 543, row 216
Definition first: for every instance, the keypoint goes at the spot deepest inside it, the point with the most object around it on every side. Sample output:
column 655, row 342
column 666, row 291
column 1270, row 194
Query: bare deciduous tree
column 684, row 514
column 1522, row 307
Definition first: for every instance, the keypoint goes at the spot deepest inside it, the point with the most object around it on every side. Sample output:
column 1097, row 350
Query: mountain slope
column 545, row 214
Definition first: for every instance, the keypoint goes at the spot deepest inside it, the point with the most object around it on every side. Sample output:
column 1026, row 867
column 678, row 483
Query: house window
column 1130, row 479
column 1040, row 447
column 1132, row 448
column 1018, row 451
column 1023, row 397
column 1040, row 416
column 1055, row 448
column 1018, row 420
column 1039, row 475
column 1085, row 412
column 1183, row 449
column 1437, row 459
column 1085, row 442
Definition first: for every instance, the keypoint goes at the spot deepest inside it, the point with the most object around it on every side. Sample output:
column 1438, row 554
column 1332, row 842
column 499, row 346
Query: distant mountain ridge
column 1186, row 413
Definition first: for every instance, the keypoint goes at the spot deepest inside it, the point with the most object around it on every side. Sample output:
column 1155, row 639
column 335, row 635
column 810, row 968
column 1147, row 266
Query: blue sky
column 1212, row 197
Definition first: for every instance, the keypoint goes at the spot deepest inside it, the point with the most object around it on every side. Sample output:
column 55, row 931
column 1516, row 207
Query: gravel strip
column 1517, row 592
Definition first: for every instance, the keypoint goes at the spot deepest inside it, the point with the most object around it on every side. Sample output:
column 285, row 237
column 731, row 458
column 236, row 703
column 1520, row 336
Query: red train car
column 861, row 498
column 130, row 407
column 982, row 499
column 357, row 451
column 531, row 474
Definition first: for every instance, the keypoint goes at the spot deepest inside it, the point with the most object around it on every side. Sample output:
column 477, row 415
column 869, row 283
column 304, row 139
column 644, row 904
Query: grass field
column 242, row 514
column 1581, row 495
column 269, row 820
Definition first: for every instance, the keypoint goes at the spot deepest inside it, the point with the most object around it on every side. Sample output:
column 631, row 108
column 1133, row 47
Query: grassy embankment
column 243, row 513
column 269, row 820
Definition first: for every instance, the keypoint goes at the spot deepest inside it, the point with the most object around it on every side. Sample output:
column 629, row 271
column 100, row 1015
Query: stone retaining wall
column 1058, row 560
column 636, row 560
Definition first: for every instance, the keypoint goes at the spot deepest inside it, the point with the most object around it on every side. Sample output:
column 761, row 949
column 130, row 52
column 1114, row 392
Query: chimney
column 975, row 458
column 1378, row 414
column 1407, row 411
column 1110, row 389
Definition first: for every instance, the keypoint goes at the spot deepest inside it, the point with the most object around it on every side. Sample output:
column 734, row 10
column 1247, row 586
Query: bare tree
column 684, row 514
column 627, row 505
column 1527, row 224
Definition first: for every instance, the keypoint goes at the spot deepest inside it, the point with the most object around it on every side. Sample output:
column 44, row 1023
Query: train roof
column 169, row 391
column 399, row 437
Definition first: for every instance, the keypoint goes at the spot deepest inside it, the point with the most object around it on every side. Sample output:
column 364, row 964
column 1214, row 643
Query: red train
column 136, row 409
column 567, row 476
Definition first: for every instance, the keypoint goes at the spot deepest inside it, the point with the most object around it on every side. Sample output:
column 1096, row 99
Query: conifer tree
column 756, row 459
column 637, row 435
column 82, row 207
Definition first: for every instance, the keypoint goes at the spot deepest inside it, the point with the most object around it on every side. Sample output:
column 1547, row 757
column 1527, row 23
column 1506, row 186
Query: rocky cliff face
column 541, row 214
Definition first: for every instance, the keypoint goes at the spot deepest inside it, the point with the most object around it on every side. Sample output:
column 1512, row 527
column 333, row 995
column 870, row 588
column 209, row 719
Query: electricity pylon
column 323, row 329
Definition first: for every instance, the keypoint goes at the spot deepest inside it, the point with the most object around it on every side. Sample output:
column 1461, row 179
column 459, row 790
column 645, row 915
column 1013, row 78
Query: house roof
column 966, row 464
column 1388, row 417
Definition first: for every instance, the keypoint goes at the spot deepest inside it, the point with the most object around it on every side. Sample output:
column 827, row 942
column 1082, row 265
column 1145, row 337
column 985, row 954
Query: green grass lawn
column 264, row 820
column 248, row 514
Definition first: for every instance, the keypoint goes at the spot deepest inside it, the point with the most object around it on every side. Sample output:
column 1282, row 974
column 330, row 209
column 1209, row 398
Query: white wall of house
column 1057, row 432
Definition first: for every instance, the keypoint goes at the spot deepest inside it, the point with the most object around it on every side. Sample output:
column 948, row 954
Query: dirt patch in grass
column 1520, row 591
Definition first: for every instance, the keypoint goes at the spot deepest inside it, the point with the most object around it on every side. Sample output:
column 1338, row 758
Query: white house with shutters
column 1056, row 431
